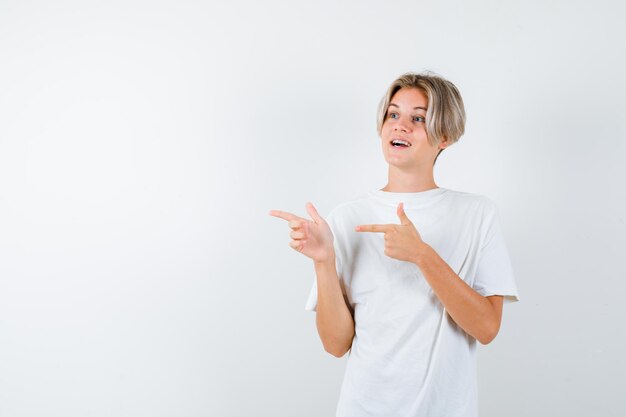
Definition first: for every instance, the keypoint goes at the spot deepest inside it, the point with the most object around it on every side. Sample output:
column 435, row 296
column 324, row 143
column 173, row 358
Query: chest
column 380, row 282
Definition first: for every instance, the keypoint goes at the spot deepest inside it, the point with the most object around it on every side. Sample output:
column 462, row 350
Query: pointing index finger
column 283, row 215
column 377, row 228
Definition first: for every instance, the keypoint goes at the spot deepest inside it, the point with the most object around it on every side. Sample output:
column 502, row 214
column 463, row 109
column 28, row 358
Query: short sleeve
column 311, row 303
column 494, row 273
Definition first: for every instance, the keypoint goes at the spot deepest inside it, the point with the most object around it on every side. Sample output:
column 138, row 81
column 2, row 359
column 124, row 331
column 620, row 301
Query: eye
column 419, row 119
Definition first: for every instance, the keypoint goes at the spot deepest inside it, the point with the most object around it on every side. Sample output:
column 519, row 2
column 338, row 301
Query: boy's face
column 406, row 120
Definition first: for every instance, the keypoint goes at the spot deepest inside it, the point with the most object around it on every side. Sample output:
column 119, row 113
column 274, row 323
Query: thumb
column 404, row 219
column 313, row 213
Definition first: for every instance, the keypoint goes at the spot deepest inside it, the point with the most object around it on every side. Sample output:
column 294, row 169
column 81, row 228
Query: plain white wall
column 142, row 145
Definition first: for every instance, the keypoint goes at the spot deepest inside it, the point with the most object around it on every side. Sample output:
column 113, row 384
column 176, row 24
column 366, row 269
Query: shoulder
column 349, row 208
column 472, row 201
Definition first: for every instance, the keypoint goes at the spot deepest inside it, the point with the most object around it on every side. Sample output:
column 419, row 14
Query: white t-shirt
column 408, row 357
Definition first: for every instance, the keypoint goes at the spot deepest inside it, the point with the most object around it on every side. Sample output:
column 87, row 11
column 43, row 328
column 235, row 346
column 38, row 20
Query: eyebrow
column 414, row 108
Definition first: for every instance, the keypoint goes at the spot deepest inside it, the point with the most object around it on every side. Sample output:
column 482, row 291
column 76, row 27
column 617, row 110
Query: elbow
column 337, row 351
column 489, row 334
column 337, row 341
column 338, row 345
column 485, row 340
column 338, row 348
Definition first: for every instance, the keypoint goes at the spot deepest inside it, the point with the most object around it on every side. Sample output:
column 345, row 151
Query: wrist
column 423, row 253
column 326, row 261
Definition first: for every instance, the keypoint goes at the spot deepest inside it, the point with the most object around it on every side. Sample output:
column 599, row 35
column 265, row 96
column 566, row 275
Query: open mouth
column 399, row 143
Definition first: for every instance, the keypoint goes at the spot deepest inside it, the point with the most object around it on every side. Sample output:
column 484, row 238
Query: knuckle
column 295, row 224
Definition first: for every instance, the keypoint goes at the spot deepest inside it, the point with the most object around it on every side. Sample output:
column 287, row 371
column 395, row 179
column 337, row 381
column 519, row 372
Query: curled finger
column 297, row 244
column 297, row 235
column 296, row 224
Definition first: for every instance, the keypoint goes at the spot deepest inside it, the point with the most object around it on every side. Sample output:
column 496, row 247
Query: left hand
column 402, row 241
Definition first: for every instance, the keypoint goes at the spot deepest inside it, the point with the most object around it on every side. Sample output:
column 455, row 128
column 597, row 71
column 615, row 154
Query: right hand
column 312, row 238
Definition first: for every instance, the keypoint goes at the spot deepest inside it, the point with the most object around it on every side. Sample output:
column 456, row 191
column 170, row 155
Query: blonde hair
column 445, row 117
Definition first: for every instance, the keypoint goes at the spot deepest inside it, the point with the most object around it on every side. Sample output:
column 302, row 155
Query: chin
column 402, row 165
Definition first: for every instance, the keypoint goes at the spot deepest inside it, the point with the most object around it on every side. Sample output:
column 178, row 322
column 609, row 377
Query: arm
column 335, row 324
column 477, row 315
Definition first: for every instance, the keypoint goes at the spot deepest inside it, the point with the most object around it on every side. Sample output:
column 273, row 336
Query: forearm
column 470, row 310
column 335, row 324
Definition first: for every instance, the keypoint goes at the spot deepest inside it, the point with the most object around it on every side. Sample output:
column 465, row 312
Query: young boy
column 408, row 277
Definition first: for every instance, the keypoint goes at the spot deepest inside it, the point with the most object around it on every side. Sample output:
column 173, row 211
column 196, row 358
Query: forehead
column 409, row 98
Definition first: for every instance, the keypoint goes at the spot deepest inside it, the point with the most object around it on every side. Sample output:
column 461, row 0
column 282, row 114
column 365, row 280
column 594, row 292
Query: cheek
column 419, row 128
column 386, row 128
column 384, row 132
column 421, row 135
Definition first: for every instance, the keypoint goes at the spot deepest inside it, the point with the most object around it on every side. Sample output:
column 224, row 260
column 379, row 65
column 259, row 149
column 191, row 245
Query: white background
column 142, row 145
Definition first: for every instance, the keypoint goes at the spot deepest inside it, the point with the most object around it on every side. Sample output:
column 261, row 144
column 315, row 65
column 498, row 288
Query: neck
column 405, row 181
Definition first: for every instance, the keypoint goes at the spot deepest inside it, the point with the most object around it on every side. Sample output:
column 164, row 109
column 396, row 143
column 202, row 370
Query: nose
column 401, row 125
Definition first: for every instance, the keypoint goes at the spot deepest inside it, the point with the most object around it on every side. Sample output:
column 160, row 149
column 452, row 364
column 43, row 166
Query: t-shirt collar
column 409, row 199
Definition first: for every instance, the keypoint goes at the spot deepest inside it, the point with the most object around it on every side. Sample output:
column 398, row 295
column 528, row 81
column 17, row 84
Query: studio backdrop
column 142, row 145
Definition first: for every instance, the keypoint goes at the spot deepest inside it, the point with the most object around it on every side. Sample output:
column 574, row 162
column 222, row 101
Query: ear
column 444, row 144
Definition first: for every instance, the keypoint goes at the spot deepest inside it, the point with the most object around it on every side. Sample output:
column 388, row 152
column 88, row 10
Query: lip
column 400, row 138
